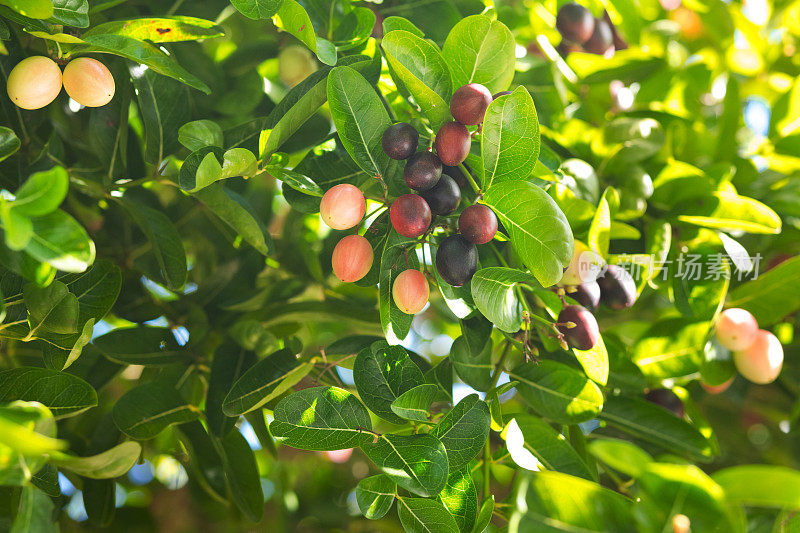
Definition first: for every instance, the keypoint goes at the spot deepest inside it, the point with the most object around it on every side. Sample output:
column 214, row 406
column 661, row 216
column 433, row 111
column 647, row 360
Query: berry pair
column 36, row 81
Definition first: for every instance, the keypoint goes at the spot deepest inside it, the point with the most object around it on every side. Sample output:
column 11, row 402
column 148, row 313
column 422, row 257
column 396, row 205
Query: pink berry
column 343, row 206
column 736, row 329
column 760, row 362
column 410, row 291
column 352, row 258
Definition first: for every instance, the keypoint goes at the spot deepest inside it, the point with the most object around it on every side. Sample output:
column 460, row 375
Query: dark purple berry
column 617, row 288
column 422, row 171
column 575, row 23
column 586, row 331
column 444, row 197
column 456, row 260
column 400, row 140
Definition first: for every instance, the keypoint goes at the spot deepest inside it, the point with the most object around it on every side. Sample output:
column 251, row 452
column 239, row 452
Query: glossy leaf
column 199, row 134
column 760, row 485
column 418, row 463
column 141, row 345
column 42, row 192
column 473, row 366
column 415, row 403
column 258, row 385
column 493, row 290
column 463, row 430
column 292, row 17
column 769, row 297
column 375, row 496
column 9, row 142
column 65, row 395
column 480, row 50
column 107, row 465
column 460, row 499
column 58, row 239
column 534, row 444
column 148, row 409
column 160, row 30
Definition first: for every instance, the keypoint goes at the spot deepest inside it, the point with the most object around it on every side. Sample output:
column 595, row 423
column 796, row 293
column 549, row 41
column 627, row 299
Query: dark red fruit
column 469, row 103
column 617, row 288
column 575, row 23
column 601, row 40
column 666, row 399
column 618, row 41
column 456, row 260
column 410, row 215
column 587, row 294
column 586, row 331
column 400, row 140
column 422, row 171
column 444, row 197
column 495, row 96
column 478, row 224
column 452, row 143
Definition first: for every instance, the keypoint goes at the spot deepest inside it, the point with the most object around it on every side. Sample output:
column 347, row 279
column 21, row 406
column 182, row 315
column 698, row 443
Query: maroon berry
column 586, row 331
column 587, row 294
column 575, row 23
column 456, row 260
column 452, row 143
column 444, row 197
column 422, row 171
column 469, row 103
column 410, row 215
column 617, row 288
column 478, row 224
column 601, row 40
column 400, row 140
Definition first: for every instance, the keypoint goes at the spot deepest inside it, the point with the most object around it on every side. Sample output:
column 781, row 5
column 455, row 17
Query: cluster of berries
column 36, row 81
column 582, row 32
column 757, row 353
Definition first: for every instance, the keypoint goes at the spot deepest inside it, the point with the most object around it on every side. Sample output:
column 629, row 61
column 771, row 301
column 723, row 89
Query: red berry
column 586, row 331
column 422, row 171
column 452, row 143
column 469, row 103
column 478, row 224
column 352, row 258
column 342, row 206
column 400, row 140
column 736, row 329
column 575, row 23
column 410, row 291
column 410, row 215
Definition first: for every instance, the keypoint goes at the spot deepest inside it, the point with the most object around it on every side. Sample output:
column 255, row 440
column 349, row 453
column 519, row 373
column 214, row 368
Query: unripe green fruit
column 88, row 82
column 760, row 362
column 736, row 329
column 352, row 258
column 410, row 291
column 34, row 82
column 343, row 206
column 295, row 63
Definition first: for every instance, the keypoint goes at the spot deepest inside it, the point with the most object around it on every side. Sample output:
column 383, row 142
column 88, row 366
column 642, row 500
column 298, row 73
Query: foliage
column 168, row 307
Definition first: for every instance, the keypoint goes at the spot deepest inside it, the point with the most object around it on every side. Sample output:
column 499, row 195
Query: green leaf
column 536, row 226
column 418, row 463
column 594, row 361
column 257, row 9
column 375, row 496
column 42, row 192
column 200, row 134
column 141, row 345
column 229, row 363
column 321, row 418
column 165, row 241
column 556, row 498
column 394, row 22
column 671, row 348
column 494, row 295
column 52, row 308
column 259, row 383
column 360, row 120
column 34, row 513
column 558, row 392
column 415, row 403
column 397, row 255
column 599, row 236
column 233, row 209
column 160, row 30
column 9, row 142
column 464, row 430
column 460, row 499
column 534, row 444
column 241, row 473
column 64, row 394
column 142, row 53
column 354, row 28
column 71, row 13
column 770, row 296
column 621, row 455
column 510, row 141
column 421, row 68
column 17, row 227
column 419, row 515
column 480, row 50
column 382, row 373
column 36, row 9
column 27, row 428
column 107, row 465
column 59, row 240
column 655, row 424
column 59, row 358
column 484, row 515
column 293, row 18
column 149, row 408
column 99, row 501
column 760, row 485
column 729, row 211
column 472, row 365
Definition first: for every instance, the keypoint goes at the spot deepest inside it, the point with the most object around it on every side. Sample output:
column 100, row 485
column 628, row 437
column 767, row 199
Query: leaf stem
column 469, row 178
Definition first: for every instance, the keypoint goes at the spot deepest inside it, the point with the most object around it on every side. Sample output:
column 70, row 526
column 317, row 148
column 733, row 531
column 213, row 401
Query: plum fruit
column 400, row 140
column 444, row 197
column 760, row 362
column 601, row 40
column 456, row 260
column 617, row 288
column 587, row 294
column 452, row 143
column 736, row 329
column 422, row 171
column 468, row 104
column 410, row 215
column 478, row 224
column 586, row 331
column 575, row 23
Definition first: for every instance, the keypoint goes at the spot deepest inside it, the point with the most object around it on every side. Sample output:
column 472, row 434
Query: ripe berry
column 617, row 288
column 444, row 197
column 342, row 206
column 666, row 399
column 586, row 331
column 400, row 140
column 575, row 23
column 410, row 215
column 456, row 260
column 452, row 143
column 760, row 362
column 469, row 103
column 736, row 329
column 422, row 171
column 34, row 82
column 587, row 294
column 601, row 40
column 352, row 258
column 88, row 82
column 478, row 224
column 410, row 291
